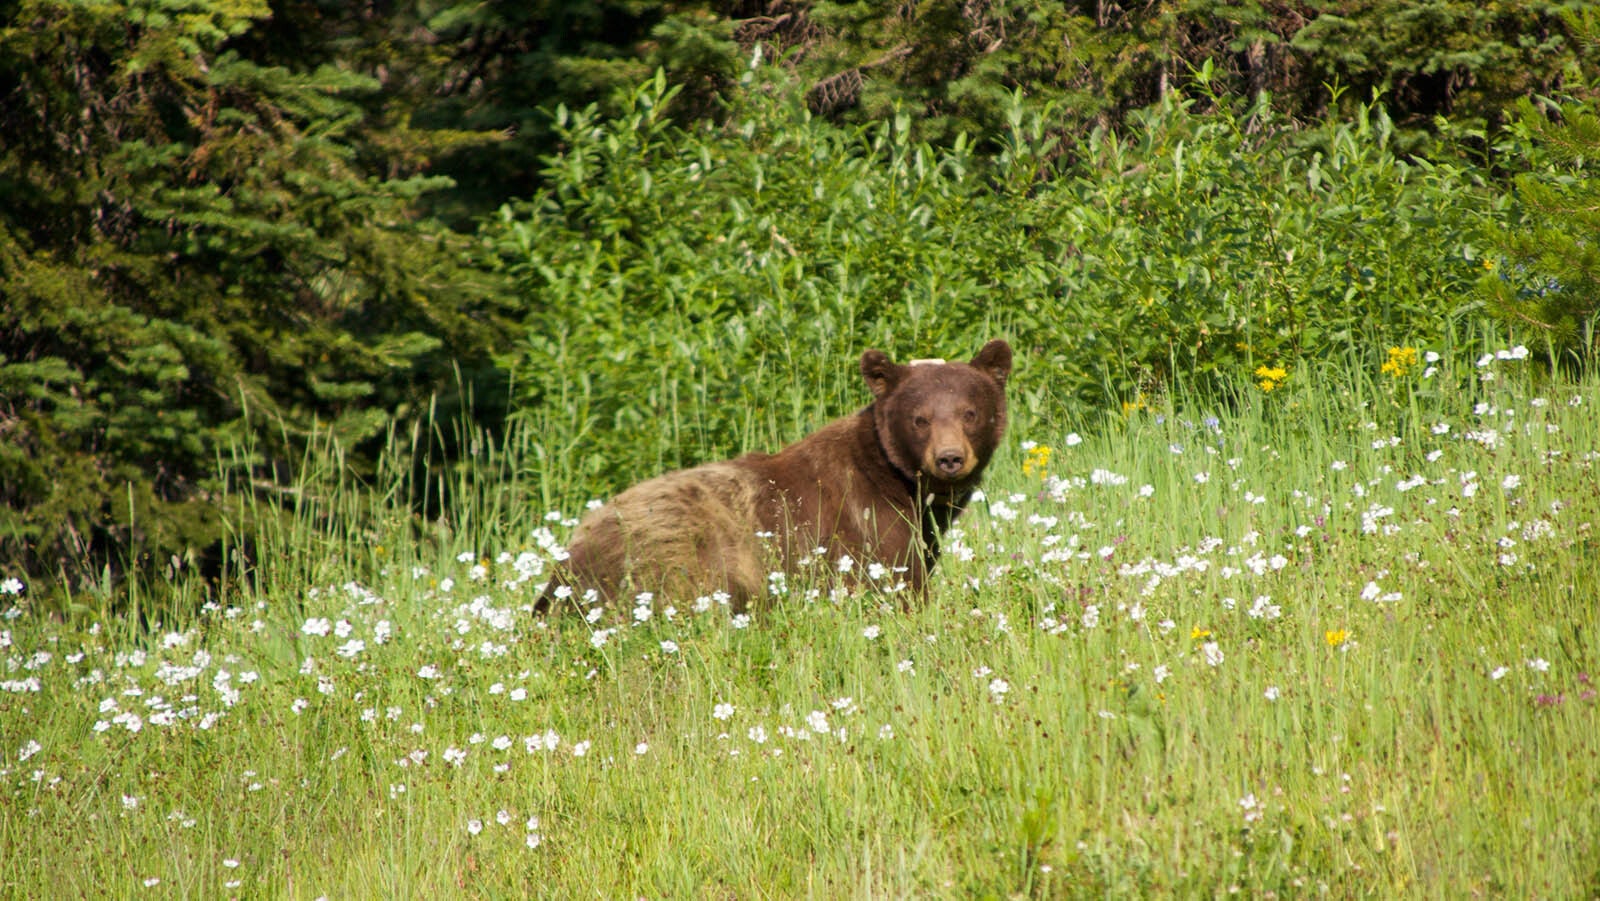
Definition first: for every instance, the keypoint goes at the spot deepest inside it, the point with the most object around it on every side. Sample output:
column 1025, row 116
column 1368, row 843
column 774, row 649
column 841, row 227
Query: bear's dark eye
column 921, row 422
column 969, row 417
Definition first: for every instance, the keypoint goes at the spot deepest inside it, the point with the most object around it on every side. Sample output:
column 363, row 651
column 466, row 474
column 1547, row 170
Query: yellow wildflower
column 1038, row 461
column 1198, row 633
column 1270, row 377
column 1336, row 637
column 1400, row 361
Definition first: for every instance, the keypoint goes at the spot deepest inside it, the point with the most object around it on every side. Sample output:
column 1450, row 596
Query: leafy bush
column 677, row 278
column 1218, row 242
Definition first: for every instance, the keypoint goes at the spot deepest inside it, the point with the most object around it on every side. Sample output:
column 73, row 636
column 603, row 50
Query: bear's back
column 675, row 534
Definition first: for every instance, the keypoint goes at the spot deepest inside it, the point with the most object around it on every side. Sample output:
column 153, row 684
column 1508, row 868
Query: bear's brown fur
column 879, row 486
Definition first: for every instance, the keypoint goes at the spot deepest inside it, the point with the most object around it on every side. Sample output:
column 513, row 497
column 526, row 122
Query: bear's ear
column 881, row 373
column 995, row 359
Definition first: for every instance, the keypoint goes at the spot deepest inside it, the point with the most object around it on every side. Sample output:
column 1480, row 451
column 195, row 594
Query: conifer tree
column 210, row 233
column 1550, row 286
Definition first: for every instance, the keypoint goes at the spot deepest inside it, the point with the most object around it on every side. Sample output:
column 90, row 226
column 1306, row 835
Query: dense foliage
column 702, row 270
column 952, row 65
column 1553, row 285
column 204, row 239
column 230, row 226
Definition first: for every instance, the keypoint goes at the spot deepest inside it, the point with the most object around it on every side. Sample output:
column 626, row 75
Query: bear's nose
column 950, row 461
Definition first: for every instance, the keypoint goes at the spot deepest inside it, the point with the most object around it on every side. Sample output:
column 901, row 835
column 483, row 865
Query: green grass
column 1082, row 708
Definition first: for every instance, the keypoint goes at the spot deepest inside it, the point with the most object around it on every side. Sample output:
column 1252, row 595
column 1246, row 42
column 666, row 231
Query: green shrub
column 1224, row 241
column 677, row 279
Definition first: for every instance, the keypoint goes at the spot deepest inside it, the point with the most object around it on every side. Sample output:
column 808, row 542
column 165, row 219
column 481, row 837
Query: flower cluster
column 1401, row 361
column 1270, row 378
column 1037, row 462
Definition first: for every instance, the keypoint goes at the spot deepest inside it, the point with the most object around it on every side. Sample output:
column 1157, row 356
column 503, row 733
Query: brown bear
column 878, row 486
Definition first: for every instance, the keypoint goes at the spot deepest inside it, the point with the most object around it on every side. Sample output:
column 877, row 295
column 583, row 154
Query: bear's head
column 940, row 422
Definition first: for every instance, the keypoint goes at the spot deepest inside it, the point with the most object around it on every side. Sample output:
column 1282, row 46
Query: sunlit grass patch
column 1322, row 639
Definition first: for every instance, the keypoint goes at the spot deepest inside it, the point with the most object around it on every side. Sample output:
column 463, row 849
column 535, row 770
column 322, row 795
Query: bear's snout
column 950, row 461
column 948, row 456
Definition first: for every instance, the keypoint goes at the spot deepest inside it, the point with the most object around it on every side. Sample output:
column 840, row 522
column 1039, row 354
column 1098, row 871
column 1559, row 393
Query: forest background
column 236, row 234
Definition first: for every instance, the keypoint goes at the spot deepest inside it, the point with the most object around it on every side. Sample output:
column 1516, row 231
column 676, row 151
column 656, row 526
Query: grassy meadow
column 1334, row 635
